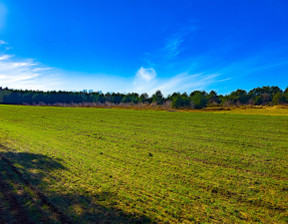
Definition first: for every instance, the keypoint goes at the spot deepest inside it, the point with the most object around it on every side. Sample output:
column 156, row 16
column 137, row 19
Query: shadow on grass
column 22, row 198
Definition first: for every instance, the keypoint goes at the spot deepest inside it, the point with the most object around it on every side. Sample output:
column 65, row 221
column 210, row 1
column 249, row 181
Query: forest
column 266, row 95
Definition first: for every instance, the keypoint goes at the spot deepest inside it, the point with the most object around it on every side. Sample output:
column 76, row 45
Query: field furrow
column 119, row 166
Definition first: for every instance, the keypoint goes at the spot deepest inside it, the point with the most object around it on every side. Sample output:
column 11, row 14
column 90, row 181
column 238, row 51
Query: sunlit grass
column 165, row 166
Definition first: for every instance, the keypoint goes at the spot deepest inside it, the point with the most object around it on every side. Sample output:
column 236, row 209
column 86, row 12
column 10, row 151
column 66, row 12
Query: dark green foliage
column 199, row 99
column 278, row 98
column 158, row 97
column 239, row 96
column 213, row 98
column 285, row 95
column 180, row 101
column 265, row 95
column 144, row 98
column 131, row 98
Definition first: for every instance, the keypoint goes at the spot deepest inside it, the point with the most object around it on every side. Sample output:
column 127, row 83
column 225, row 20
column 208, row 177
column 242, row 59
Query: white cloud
column 3, row 42
column 30, row 74
column 185, row 82
column 26, row 74
column 4, row 57
column 175, row 44
column 173, row 47
column 146, row 74
column 146, row 80
column 41, row 69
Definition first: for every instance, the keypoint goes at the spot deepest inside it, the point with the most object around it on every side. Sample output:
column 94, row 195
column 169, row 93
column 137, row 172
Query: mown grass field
column 88, row 165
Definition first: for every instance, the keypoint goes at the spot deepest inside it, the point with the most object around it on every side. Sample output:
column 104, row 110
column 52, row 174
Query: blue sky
column 142, row 46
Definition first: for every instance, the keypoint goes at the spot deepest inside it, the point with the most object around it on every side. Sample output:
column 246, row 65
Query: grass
column 260, row 110
column 121, row 165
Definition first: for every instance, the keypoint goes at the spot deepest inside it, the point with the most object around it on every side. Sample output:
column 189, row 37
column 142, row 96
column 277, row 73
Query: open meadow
column 89, row 165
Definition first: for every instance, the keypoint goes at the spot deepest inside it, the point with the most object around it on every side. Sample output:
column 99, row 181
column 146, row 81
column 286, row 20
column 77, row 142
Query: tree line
column 266, row 95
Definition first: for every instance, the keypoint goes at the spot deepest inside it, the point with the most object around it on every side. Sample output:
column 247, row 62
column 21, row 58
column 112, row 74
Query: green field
column 88, row 165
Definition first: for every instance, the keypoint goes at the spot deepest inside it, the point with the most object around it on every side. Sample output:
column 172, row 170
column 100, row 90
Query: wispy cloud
column 26, row 74
column 186, row 82
column 41, row 69
column 174, row 44
column 172, row 48
column 179, row 69
column 182, row 73
column 146, row 80
column 2, row 42
column 146, row 74
column 4, row 57
column 30, row 74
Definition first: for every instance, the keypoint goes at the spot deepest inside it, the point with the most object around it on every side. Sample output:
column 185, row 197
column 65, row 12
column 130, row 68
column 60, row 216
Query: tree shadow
column 25, row 197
